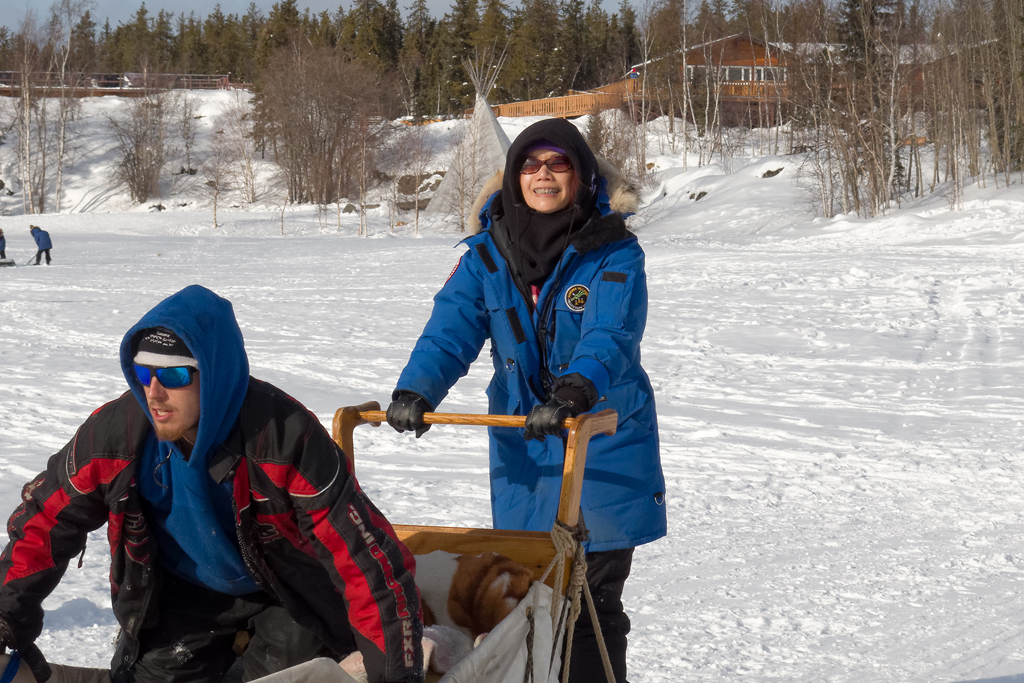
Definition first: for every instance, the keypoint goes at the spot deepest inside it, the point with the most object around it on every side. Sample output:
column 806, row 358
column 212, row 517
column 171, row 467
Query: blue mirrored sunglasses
column 170, row 378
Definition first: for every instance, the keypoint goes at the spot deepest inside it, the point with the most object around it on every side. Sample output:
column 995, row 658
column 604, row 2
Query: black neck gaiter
column 538, row 240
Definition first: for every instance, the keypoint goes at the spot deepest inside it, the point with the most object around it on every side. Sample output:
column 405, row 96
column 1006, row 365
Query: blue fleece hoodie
column 192, row 514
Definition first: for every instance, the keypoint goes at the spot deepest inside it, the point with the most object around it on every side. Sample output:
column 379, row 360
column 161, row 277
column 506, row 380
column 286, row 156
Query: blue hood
column 193, row 515
column 206, row 323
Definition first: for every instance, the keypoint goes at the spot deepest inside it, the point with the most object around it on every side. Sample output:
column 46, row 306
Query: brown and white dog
column 464, row 597
column 476, row 595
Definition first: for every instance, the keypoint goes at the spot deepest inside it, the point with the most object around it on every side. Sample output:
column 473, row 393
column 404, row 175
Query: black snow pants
column 39, row 256
column 192, row 641
column 606, row 575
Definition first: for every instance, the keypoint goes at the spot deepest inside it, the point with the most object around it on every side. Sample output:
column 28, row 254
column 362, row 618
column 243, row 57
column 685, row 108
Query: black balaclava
column 537, row 240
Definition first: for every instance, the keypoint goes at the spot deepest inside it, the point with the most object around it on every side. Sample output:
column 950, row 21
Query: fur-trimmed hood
column 618, row 193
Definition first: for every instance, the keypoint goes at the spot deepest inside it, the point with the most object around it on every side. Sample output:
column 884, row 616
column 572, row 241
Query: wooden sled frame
column 533, row 549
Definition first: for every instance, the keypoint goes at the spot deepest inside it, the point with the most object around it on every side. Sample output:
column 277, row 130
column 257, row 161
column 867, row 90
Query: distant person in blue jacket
column 43, row 243
column 3, row 246
column 556, row 281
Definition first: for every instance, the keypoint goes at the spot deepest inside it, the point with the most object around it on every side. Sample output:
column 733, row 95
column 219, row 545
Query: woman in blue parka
column 556, row 281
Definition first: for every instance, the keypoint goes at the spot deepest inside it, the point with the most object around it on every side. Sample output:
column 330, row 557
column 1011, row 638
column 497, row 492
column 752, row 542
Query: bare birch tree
column 31, row 125
column 421, row 158
column 186, row 111
column 237, row 120
column 217, row 168
column 140, row 130
column 64, row 16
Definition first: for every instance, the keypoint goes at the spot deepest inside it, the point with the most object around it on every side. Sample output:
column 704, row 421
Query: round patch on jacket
column 576, row 298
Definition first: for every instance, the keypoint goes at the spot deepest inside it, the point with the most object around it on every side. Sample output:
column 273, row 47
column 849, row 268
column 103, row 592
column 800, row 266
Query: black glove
column 572, row 394
column 30, row 654
column 11, row 639
column 406, row 411
column 546, row 419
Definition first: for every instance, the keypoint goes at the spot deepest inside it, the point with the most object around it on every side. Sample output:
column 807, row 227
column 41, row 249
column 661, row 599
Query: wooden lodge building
column 747, row 77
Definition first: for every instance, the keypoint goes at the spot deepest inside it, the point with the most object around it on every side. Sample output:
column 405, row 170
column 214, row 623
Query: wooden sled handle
column 581, row 429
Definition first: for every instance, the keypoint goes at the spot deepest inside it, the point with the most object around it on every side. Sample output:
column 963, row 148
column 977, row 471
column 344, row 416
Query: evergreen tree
column 602, row 68
column 325, row 31
column 595, row 134
column 190, row 45
column 161, row 42
column 441, row 71
column 372, row 33
column 226, row 42
column 572, row 50
column 864, row 27
column 625, row 39
column 489, row 40
column 419, row 34
column 7, row 44
column 252, row 25
column 710, row 23
column 129, row 45
column 535, row 62
column 214, row 32
column 391, row 34
column 279, row 28
column 457, row 45
column 84, row 50
column 492, row 32
column 106, row 46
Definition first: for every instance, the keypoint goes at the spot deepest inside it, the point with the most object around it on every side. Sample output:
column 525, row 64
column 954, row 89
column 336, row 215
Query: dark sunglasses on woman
column 170, row 378
column 557, row 164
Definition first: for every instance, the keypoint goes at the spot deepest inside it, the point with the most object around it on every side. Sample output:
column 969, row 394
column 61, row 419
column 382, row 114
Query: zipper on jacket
column 247, row 560
column 526, row 301
column 547, row 379
column 131, row 657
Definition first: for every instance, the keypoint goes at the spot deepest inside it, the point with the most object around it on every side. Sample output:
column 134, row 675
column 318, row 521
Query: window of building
column 695, row 72
column 736, row 73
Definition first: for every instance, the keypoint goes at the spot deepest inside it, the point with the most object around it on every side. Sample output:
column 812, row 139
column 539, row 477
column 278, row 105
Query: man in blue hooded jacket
column 229, row 510
column 43, row 243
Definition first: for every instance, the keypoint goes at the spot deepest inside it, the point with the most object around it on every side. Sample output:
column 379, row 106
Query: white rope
column 567, row 544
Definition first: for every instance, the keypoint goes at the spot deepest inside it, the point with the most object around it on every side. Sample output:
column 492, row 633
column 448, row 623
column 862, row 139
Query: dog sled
column 525, row 645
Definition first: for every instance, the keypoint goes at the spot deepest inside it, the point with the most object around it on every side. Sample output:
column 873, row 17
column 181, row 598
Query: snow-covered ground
column 840, row 401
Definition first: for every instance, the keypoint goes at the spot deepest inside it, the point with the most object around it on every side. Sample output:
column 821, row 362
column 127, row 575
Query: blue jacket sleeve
column 453, row 336
column 614, row 318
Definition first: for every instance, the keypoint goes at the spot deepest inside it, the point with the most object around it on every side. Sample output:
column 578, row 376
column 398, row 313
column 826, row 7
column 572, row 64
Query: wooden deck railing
column 123, row 84
column 756, row 90
column 561, row 107
column 578, row 104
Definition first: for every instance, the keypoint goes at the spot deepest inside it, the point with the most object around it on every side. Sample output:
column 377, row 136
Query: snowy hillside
column 841, row 404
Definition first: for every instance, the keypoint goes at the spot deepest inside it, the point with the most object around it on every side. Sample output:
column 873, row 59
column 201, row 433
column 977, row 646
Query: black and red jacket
column 306, row 531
